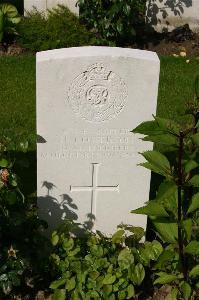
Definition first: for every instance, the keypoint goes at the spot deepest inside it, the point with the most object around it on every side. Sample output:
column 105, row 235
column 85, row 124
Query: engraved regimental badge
column 97, row 94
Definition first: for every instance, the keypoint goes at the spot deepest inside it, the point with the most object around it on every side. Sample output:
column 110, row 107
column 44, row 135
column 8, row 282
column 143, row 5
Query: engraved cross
column 94, row 188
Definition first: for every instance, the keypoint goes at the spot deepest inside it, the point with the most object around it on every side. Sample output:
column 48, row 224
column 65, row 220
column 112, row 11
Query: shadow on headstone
column 57, row 211
column 158, row 10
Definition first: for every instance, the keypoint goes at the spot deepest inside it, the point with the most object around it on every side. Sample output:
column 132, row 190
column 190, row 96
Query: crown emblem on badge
column 98, row 72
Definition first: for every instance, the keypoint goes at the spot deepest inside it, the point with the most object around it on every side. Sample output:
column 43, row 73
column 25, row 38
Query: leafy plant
column 174, row 211
column 58, row 29
column 97, row 267
column 18, row 4
column 20, row 238
column 9, row 17
column 114, row 20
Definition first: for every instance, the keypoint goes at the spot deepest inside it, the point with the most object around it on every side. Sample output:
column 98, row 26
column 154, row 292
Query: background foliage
column 19, row 4
column 59, row 29
column 114, row 20
column 22, row 262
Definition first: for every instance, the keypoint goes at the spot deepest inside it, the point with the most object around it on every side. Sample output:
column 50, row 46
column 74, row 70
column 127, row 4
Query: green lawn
column 17, row 91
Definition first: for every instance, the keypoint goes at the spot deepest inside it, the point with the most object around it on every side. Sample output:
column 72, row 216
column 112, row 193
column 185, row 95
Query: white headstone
column 40, row 5
column 164, row 14
column 88, row 100
column 71, row 4
column 43, row 5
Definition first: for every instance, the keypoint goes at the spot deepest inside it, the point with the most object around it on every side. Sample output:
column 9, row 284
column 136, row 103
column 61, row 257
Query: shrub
column 19, row 4
column 98, row 267
column 9, row 17
column 175, row 210
column 59, row 29
column 20, row 238
column 115, row 20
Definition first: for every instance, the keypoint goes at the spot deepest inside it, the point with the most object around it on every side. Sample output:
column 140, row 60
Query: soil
column 180, row 42
column 11, row 49
column 181, row 39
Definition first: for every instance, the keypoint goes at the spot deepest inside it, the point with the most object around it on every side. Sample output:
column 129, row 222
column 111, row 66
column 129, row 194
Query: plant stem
column 180, row 185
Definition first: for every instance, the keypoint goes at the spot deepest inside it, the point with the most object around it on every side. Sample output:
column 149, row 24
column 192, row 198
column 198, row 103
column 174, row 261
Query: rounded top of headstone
column 89, row 51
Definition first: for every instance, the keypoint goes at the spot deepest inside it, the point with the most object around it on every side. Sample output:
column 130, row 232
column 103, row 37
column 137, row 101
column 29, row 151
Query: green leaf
column 192, row 248
column 74, row 252
column 11, row 198
column 194, row 204
column 170, row 203
column 111, row 297
column 107, row 289
column 165, row 139
column 125, row 259
column 92, row 295
column 157, row 249
column 71, row 283
column 187, row 225
column 167, row 230
column 59, row 295
column 190, row 165
column 158, row 126
column 194, row 272
column 174, row 294
column 13, row 182
column 145, row 256
column 68, row 244
column 138, row 274
column 117, row 237
column 122, row 295
column 165, row 278
column 138, row 232
column 195, row 138
column 151, row 209
column 4, row 163
column 1, row 184
column 94, row 274
column 130, row 291
column 147, row 128
column 168, row 125
column 165, row 257
column 109, row 279
column 15, row 20
column 186, row 290
column 194, row 181
column 97, row 250
column 9, row 10
column 158, row 162
column 57, row 283
column 7, row 287
column 3, row 277
column 166, row 191
column 24, row 146
column 54, row 238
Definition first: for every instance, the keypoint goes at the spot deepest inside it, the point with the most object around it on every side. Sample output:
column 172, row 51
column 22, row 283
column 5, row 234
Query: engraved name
column 104, row 144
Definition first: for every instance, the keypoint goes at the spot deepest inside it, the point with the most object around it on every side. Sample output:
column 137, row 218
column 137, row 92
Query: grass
column 18, row 100
column 17, row 95
column 176, row 86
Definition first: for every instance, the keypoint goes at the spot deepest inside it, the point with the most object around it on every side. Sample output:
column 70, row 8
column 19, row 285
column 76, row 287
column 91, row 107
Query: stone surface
column 43, row 5
column 40, row 5
column 88, row 100
column 167, row 15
